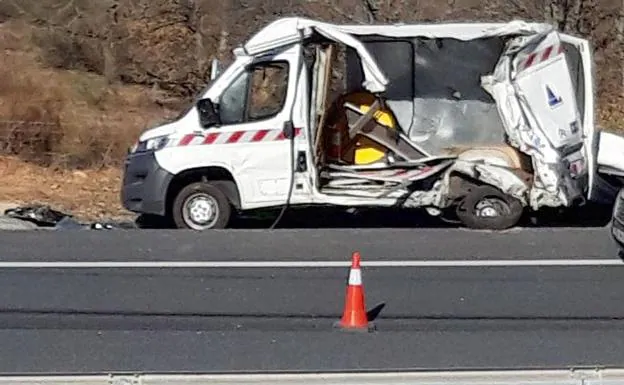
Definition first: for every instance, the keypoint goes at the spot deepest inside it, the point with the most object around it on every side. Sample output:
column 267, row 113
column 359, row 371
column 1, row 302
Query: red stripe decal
column 210, row 138
column 259, row 135
column 530, row 60
column 547, row 53
column 186, row 139
column 235, row 136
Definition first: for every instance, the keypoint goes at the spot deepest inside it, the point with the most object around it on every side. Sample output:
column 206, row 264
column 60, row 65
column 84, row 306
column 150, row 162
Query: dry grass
column 87, row 194
column 71, row 119
column 610, row 114
column 54, row 123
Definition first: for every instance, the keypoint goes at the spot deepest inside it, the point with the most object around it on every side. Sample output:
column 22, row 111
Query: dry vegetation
column 88, row 194
column 81, row 78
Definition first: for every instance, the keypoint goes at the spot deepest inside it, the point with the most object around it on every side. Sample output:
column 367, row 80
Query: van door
column 547, row 94
column 254, row 109
column 580, row 58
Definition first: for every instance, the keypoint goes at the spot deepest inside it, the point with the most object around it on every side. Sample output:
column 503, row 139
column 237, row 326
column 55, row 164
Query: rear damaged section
column 499, row 109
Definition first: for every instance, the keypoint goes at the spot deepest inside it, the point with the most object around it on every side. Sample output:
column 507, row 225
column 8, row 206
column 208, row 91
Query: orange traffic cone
column 354, row 315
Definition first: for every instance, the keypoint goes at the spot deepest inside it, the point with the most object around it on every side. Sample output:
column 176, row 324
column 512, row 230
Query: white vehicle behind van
column 478, row 122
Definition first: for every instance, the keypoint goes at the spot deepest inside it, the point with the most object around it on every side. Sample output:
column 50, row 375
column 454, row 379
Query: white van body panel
column 533, row 87
column 611, row 152
column 256, row 154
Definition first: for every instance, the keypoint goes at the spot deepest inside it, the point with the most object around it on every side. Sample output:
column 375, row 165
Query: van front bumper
column 617, row 220
column 145, row 184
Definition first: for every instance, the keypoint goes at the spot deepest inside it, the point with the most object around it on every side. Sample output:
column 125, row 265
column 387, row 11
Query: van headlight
column 153, row 144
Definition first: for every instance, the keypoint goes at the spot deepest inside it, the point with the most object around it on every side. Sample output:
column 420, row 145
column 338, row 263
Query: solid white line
column 310, row 264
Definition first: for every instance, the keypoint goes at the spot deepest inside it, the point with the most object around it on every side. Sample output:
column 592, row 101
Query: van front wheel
column 487, row 208
column 201, row 206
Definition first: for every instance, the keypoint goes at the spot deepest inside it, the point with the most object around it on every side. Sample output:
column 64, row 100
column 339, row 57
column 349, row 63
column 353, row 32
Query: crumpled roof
column 289, row 30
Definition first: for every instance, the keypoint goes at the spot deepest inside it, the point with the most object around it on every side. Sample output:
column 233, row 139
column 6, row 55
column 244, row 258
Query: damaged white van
column 478, row 122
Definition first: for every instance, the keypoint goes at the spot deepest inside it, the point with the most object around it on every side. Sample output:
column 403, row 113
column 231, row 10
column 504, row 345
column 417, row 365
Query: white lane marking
column 310, row 264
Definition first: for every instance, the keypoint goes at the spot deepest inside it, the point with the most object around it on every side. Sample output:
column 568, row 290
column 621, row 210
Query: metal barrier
column 505, row 377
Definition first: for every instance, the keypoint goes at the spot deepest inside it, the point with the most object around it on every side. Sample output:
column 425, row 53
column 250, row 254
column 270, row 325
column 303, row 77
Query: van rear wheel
column 488, row 208
column 201, row 206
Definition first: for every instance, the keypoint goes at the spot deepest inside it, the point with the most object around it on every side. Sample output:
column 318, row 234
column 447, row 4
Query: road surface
column 554, row 299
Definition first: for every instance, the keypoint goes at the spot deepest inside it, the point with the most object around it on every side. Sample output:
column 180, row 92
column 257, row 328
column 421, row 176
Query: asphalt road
column 265, row 319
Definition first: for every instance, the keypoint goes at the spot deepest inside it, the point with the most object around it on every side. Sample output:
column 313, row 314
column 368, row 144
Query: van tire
column 201, row 202
column 507, row 210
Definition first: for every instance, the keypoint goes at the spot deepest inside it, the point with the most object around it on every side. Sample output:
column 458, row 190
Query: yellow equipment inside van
column 368, row 151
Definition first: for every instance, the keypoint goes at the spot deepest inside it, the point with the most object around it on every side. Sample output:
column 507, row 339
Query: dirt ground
column 88, row 195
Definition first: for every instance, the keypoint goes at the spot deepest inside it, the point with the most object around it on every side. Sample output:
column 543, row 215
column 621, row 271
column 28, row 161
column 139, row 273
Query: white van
column 472, row 121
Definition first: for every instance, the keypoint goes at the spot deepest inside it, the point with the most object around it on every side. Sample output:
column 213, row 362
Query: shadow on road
column 314, row 218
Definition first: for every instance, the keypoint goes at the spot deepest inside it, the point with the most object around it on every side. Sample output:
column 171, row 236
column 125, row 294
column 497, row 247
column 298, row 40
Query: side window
column 256, row 94
column 269, row 86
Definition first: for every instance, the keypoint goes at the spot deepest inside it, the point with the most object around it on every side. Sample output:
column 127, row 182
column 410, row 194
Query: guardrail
column 503, row 377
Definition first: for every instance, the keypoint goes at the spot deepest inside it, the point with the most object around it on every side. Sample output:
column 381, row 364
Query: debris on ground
column 44, row 216
column 89, row 194
column 40, row 215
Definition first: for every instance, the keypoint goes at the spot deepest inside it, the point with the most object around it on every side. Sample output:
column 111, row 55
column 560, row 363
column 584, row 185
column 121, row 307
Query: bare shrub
column 68, row 120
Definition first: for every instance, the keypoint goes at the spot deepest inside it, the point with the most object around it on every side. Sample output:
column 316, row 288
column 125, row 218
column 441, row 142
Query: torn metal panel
column 422, row 175
column 353, row 184
column 503, row 178
column 286, row 31
column 537, row 103
column 385, row 166
column 291, row 30
column 428, row 198
column 392, row 176
column 458, row 30
column 387, row 183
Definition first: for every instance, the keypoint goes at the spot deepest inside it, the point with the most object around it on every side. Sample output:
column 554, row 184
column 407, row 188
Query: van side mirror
column 208, row 115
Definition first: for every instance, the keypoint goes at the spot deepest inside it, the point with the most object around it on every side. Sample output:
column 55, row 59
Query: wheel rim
column 200, row 211
column 491, row 207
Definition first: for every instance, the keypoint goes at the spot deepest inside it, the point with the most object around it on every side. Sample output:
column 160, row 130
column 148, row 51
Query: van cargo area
column 434, row 117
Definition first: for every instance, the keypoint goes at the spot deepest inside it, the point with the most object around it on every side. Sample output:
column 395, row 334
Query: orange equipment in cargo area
column 339, row 148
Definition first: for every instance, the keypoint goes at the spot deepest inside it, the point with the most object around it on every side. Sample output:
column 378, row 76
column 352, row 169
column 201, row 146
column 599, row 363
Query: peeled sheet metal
column 537, row 103
column 287, row 31
column 388, row 166
column 394, row 181
column 284, row 31
column 396, row 176
column 290, row 30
